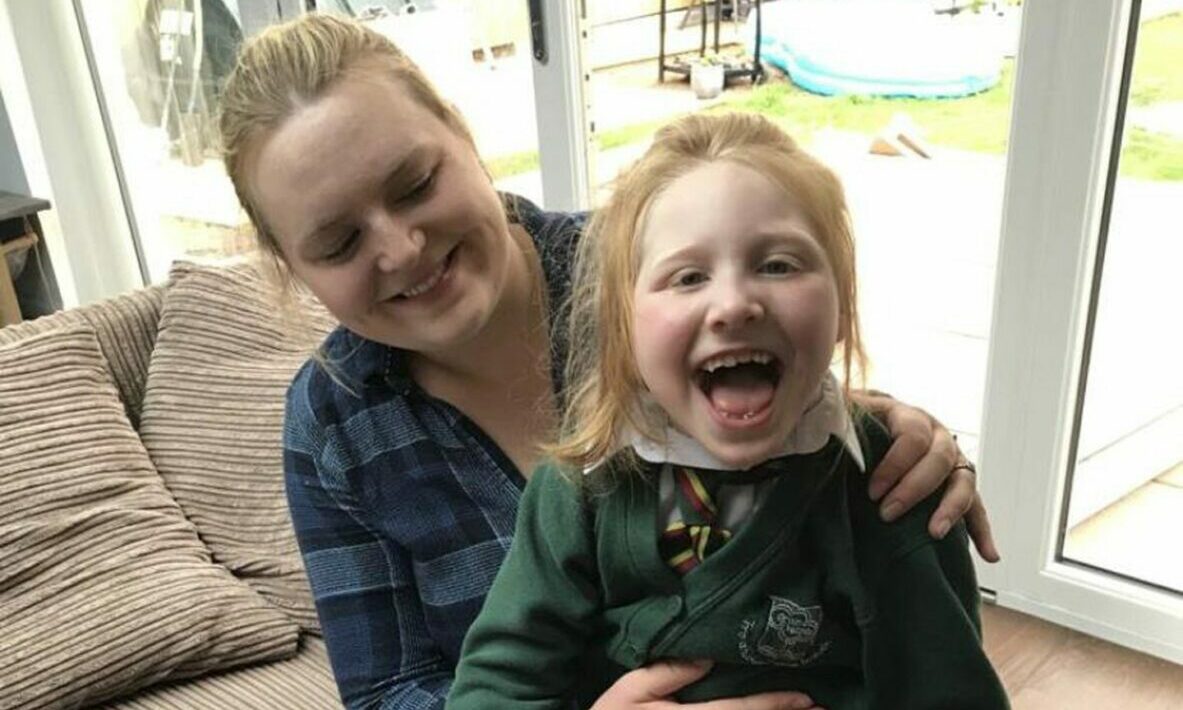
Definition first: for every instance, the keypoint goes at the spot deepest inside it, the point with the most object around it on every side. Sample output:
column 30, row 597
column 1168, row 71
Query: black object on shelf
column 31, row 290
column 744, row 68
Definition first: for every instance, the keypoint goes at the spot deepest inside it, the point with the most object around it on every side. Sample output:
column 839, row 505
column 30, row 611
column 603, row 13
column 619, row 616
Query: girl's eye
column 344, row 248
column 686, row 279
column 778, row 267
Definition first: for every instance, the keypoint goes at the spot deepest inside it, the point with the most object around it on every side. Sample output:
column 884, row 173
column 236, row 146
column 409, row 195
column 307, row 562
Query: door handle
column 538, row 31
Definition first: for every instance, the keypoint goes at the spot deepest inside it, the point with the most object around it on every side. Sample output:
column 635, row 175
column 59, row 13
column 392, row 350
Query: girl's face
column 385, row 214
column 735, row 313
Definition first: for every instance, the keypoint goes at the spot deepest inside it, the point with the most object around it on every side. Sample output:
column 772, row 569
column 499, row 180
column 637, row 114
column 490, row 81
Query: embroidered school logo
column 789, row 636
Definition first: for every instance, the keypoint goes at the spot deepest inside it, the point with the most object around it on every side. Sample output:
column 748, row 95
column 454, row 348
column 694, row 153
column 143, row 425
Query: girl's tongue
column 741, row 390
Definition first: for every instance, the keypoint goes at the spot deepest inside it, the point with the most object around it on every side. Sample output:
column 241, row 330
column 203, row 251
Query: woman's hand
column 921, row 458
column 652, row 686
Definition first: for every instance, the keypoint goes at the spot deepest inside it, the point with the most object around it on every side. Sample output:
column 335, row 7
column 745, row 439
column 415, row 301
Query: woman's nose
column 733, row 307
column 399, row 246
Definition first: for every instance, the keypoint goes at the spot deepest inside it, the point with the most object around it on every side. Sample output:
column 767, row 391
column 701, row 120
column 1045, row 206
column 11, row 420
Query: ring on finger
column 965, row 464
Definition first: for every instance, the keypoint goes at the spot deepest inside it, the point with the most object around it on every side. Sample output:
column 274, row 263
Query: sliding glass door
column 1082, row 429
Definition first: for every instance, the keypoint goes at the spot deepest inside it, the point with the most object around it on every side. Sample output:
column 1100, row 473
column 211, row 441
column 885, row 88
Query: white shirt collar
column 825, row 417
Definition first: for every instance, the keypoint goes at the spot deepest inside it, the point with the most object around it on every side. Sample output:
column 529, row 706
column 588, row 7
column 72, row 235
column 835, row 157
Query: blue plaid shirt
column 403, row 508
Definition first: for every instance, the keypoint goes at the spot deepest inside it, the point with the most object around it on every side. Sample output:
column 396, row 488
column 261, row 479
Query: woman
column 407, row 435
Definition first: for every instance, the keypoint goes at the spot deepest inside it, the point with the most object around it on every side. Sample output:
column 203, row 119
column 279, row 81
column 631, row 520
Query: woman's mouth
column 740, row 385
column 429, row 283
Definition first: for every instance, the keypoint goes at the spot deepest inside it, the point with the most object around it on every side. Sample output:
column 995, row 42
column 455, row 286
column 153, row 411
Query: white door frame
column 1067, row 92
column 560, row 103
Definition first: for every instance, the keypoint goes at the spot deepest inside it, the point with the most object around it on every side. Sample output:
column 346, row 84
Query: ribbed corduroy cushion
column 301, row 683
column 213, row 421
column 126, row 327
column 104, row 585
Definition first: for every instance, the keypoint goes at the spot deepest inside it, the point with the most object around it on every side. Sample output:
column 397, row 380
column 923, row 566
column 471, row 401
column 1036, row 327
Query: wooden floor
column 1048, row 667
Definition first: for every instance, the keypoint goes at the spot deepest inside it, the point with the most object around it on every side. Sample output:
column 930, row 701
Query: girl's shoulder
column 882, row 540
column 873, row 435
column 617, row 475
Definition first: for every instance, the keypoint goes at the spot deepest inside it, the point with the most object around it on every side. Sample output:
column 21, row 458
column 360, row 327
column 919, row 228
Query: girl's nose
column 734, row 307
column 399, row 246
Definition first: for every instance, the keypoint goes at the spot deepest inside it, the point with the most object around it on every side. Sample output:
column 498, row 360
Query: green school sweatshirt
column 814, row 594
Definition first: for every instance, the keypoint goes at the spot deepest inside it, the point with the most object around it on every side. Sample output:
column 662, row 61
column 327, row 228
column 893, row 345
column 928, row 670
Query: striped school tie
column 687, row 542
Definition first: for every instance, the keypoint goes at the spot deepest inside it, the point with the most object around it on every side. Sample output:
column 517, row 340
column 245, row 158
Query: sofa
column 147, row 558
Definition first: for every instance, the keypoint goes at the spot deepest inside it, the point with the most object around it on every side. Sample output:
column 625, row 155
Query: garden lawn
column 977, row 123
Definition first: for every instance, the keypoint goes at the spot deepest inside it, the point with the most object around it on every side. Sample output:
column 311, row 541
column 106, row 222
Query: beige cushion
column 301, row 683
column 104, row 586
column 126, row 327
column 213, row 421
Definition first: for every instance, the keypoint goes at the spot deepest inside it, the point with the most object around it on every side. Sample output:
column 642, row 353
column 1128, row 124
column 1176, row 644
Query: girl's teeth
column 733, row 360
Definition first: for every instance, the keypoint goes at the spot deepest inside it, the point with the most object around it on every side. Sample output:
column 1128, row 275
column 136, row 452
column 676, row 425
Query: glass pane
column 908, row 102
column 1125, row 511
column 161, row 64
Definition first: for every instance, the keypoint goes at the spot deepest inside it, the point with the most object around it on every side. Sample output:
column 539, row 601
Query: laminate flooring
column 1049, row 667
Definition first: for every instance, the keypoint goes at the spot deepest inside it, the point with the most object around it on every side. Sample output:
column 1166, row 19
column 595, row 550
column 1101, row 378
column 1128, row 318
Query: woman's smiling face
column 385, row 213
column 735, row 310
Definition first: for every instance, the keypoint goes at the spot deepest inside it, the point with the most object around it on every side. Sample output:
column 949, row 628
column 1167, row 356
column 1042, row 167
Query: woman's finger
column 978, row 523
column 763, row 701
column 955, row 503
column 933, row 468
column 655, row 682
column 912, row 434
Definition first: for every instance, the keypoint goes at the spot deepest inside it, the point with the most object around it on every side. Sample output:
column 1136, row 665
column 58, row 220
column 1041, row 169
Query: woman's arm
column 654, row 686
column 366, row 599
column 922, row 457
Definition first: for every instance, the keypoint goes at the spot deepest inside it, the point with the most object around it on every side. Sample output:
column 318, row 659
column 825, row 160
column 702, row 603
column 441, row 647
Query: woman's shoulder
column 540, row 223
column 555, row 234
column 331, row 384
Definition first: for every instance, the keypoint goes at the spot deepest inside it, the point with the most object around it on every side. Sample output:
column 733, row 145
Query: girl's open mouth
column 740, row 386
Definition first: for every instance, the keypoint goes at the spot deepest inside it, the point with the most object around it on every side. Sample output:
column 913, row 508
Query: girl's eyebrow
column 764, row 239
column 676, row 254
column 794, row 237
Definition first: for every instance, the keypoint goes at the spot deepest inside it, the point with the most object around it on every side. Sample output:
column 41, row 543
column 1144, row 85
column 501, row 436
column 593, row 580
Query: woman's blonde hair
column 603, row 386
column 291, row 65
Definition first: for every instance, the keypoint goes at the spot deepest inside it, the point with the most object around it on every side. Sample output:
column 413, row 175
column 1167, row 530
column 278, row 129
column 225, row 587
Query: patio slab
column 1135, row 537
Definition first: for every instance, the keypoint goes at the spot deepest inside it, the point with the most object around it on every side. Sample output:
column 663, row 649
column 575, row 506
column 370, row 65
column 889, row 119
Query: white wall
column 12, row 175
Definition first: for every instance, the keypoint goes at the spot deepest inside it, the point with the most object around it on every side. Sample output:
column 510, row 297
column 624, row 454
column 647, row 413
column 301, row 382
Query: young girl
column 706, row 500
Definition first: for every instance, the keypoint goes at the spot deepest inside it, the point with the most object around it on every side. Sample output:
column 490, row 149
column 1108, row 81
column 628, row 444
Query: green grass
column 527, row 160
column 1156, row 62
column 1151, row 156
column 977, row 123
column 504, row 166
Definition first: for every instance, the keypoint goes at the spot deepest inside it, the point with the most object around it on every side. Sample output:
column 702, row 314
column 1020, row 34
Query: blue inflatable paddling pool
column 883, row 48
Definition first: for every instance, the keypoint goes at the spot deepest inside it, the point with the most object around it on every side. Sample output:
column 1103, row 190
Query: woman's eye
column 343, row 249
column 420, row 188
